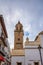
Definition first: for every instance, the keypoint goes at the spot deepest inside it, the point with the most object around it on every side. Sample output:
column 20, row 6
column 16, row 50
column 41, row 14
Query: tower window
column 19, row 63
column 36, row 63
column 18, row 39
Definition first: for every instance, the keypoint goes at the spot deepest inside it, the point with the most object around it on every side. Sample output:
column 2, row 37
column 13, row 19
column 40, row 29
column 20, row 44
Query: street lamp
column 40, row 54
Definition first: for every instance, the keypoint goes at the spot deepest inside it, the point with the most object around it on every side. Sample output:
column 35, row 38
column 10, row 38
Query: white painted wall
column 31, row 56
column 16, row 59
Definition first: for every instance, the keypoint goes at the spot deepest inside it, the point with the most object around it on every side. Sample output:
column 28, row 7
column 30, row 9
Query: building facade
column 32, row 51
column 4, row 44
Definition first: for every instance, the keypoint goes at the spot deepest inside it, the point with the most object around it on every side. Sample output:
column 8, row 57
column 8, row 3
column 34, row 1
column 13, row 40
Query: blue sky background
column 30, row 14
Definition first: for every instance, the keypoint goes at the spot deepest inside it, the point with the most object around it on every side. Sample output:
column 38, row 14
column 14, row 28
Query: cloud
column 30, row 14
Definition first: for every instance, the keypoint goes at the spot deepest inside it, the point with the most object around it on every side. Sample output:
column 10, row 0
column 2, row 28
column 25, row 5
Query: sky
column 28, row 12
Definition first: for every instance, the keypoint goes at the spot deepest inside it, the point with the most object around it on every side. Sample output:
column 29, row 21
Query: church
column 28, row 52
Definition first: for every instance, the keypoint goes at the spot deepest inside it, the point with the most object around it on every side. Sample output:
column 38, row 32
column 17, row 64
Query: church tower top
column 18, row 36
column 19, row 27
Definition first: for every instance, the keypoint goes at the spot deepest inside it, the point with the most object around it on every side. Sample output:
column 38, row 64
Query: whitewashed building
column 31, row 53
column 5, row 56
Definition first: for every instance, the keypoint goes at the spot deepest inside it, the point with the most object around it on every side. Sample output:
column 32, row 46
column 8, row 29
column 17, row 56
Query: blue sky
column 30, row 14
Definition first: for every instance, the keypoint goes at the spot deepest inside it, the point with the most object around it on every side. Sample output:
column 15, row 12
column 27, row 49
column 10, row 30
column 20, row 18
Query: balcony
column 3, row 38
column 4, row 41
column 7, row 57
column 2, row 50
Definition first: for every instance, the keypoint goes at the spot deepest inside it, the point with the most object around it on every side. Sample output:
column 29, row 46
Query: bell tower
column 18, row 36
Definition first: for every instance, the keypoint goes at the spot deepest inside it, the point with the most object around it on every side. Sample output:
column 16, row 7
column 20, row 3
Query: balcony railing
column 2, row 50
column 2, row 37
column 4, row 53
column 7, row 58
column 4, row 41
